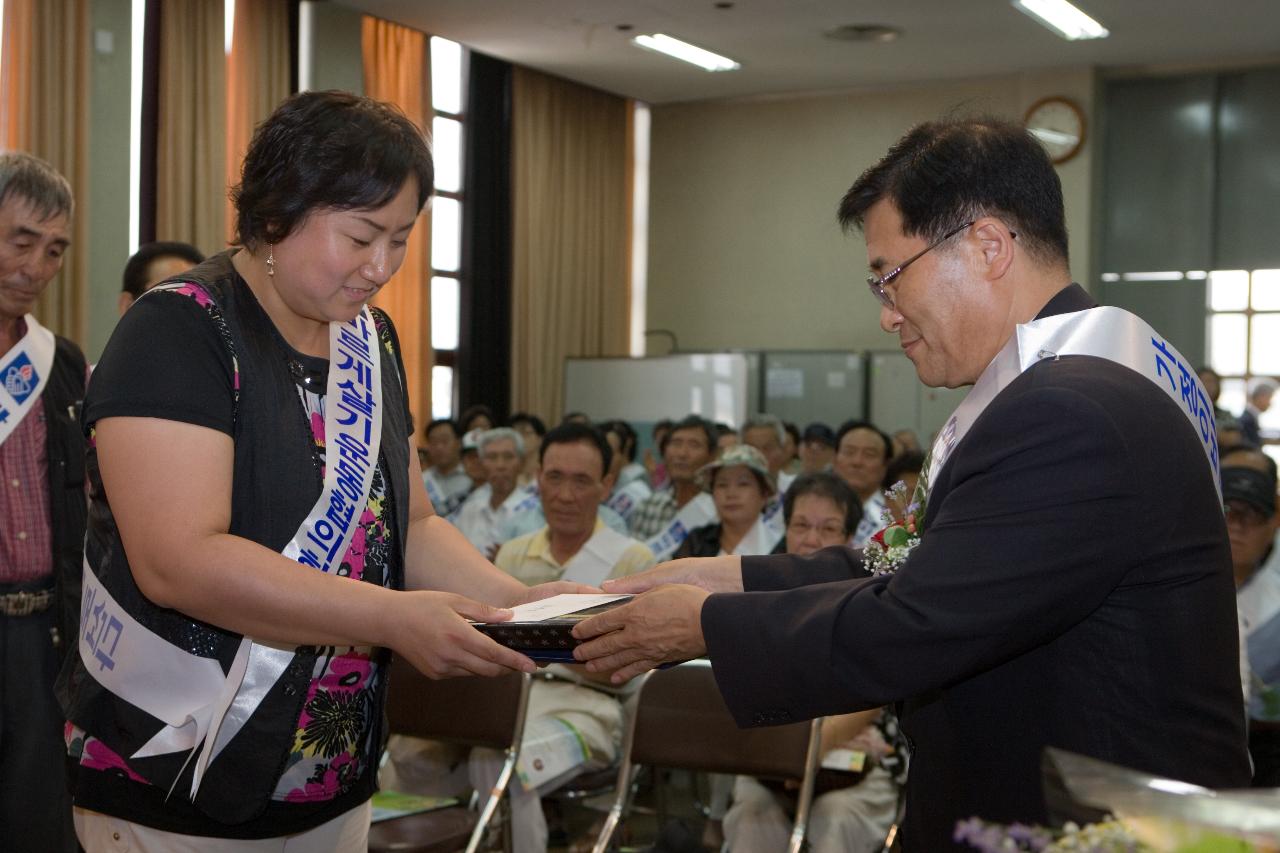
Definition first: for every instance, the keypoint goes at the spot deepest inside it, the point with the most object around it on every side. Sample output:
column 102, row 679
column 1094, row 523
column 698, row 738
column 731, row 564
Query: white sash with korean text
column 697, row 512
column 1104, row 332
column 190, row 694
column 596, row 559
column 762, row 538
column 24, row 370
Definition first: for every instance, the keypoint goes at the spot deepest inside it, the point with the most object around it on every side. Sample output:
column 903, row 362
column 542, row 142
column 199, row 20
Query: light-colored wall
column 744, row 247
column 334, row 60
column 107, row 242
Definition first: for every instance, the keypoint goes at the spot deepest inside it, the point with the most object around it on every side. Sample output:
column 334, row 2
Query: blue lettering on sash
column 307, row 557
column 361, row 368
column 1193, row 397
column 4, row 415
column 103, row 629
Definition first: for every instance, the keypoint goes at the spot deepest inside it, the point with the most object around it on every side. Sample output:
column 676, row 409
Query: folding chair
column 682, row 722
column 486, row 712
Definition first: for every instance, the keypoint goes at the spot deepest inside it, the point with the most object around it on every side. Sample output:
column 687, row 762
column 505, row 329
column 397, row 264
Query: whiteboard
column 642, row 390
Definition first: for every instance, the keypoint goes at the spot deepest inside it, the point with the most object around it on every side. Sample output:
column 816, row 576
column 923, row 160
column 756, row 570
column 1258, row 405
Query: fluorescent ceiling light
column 682, row 50
column 1063, row 18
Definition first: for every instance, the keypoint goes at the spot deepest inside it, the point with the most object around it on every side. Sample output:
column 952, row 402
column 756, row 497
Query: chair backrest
column 681, row 721
column 474, row 711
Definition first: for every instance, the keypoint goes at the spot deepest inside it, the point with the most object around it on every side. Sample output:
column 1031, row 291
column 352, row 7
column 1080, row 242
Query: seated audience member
column 446, row 480
column 574, row 546
column 741, row 486
column 653, row 464
column 1259, row 401
column 905, row 441
column 666, row 517
column 791, row 450
column 767, row 434
column 726, row 437
column 817, row 448
column 152, row 264
column 631, row 481
column 485, row 509
column 472, row 464
column 821, row 512
column 904, row 468
column 1249, row 493
column 1213, row 388
column 863, row 452
column 531, row 429
column 479, row 417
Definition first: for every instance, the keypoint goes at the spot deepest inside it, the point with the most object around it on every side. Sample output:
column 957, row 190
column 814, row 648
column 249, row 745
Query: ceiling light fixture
column 682, row 50
column 1063, row 18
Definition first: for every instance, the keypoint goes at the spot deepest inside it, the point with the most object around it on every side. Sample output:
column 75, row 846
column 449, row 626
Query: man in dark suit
column 1072, row 585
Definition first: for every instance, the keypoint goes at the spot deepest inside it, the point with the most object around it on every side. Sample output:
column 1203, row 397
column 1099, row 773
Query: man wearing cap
column 1068, row 582
column 42, row 507
column 1249, row 494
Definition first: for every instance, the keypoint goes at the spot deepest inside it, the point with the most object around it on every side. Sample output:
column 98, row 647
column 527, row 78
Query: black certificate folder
column 547, row 640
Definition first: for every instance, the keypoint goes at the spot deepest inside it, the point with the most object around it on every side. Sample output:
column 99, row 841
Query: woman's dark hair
column 470, row 413
column 824, row 484
column 910, row 462
column 627, row 438
column 326, row 151
column 572, row 432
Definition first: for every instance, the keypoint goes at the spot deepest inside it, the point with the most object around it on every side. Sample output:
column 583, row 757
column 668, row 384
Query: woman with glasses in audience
column 854, row 807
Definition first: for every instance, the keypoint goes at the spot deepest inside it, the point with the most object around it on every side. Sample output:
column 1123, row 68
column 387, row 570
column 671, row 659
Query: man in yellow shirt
column 574, row 721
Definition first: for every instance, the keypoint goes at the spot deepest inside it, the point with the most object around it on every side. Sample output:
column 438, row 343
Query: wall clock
column 1059, row 124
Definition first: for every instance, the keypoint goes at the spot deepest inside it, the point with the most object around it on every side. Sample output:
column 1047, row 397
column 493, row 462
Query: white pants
column 849, row 820
column 99, row 833
column 597, row 718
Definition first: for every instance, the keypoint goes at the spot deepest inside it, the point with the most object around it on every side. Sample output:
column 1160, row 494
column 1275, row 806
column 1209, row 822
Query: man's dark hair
column 573, row 432
column 135, row 270
column 910, row 462
column 532, row 420
column 849, row 426
column 824, row 484
column 453, row 426
column 693, row 422
column 1224, row 452
column 575, row 418
column 943, row 174
column 326, row 151
column 723, row 429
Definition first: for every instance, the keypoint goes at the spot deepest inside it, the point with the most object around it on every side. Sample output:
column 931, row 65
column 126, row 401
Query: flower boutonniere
column 887, row 550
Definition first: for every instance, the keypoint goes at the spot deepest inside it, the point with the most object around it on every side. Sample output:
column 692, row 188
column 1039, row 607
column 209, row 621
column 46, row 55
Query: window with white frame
column 1242, row 336
column 448, row 101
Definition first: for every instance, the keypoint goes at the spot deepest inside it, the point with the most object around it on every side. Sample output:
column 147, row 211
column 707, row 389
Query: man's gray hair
column 489, row 436
column 36, row 182
column 1261, row 387
column 772, row 422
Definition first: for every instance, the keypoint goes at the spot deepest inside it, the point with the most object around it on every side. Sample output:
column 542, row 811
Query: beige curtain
column 257, row 81
column 571, row 233
column 397, row 70
column 45, row 88
column 191, row 164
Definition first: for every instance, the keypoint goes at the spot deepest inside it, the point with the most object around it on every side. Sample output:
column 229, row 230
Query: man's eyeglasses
column 877, row 283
